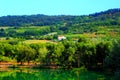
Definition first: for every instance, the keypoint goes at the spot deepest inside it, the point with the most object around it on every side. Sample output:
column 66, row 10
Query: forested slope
column 110, row 17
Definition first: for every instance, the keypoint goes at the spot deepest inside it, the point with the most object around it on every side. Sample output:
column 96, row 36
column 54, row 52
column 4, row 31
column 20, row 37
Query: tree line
column 67, row 54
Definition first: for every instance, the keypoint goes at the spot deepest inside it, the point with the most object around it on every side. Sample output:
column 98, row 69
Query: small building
column 61, row 38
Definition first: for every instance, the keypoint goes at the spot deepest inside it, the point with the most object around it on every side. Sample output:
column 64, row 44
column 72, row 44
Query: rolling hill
column 111, row 16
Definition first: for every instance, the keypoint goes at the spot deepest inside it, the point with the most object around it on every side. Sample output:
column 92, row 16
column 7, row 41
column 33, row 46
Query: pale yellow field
column 36, row 41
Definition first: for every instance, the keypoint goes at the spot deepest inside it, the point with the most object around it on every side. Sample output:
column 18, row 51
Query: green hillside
column 102, row 24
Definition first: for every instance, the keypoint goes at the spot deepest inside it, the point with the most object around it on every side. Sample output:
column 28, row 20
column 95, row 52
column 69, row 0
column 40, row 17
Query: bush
column 5, row 59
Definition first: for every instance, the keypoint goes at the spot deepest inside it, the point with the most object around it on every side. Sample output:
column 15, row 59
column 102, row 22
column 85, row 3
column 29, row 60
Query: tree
column 85, row 52
column 88, row 57
column 25, row 53
column 68, row 55
column 9, row 50
column 80, row 50
column 54, row 53
column 112, row 60
column 29, row 54
column 36, row 47
column 57, row 53
column 42, row 52
column 102, row 50
column 2, row 52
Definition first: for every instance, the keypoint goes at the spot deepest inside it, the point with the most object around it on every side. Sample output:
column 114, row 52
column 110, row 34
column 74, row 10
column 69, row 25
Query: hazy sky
column 55, row 7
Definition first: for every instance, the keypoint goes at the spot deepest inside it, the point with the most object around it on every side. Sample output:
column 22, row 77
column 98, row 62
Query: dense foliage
column 66, row 54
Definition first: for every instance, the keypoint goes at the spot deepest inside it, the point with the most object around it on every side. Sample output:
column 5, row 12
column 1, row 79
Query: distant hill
column 108, row 12
column 109, row 17
column 36, row 20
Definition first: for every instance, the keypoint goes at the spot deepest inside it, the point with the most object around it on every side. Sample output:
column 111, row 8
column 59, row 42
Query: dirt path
column 15, row 64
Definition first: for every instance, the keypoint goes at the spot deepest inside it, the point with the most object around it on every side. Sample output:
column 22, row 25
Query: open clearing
column 36, row 41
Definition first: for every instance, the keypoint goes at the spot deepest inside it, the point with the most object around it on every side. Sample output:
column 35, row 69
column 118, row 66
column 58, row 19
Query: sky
column 55, row 7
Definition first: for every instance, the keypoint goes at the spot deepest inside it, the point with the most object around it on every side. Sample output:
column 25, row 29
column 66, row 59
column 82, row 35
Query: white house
column 61, row 38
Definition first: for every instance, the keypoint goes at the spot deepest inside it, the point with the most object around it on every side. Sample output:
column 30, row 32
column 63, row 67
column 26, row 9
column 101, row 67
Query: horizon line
column 57, row 14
